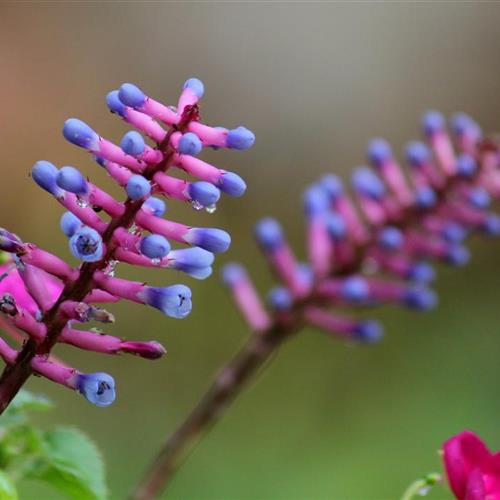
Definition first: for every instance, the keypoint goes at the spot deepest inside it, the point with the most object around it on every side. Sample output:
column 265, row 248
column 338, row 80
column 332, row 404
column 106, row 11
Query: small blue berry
column 196, row 86
column 269, row 234
column 154, row 206
column 433, row 122
column 211, row 239
column 379, row 150
column 355, row 289
column 232, row 184
column 138, row 187
column 44, row 174
column 114, row 103
column 86, row 244
column 369, row 331
column 133, row 143
column 72, row 180
column 390, row 238
column 366, row 182
column 97, row 388
column 154, row 246
column 174, row 300
column 417, row 154
column 466, row 165
column 70, row 223
column 240, row 138
column 131, row 95
column 190, row 144
column 80, row 134
column 280, row 299
column 204, row 193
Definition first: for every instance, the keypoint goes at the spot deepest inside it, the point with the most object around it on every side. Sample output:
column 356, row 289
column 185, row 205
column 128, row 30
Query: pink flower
column 472, row 470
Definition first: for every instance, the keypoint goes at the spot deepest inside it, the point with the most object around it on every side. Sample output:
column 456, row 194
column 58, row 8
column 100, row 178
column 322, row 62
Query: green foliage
column 65, row 458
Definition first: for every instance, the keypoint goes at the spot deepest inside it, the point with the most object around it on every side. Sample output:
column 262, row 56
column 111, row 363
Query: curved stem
column 420, row 487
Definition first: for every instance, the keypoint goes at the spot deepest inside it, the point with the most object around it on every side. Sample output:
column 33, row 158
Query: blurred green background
column 315, row 81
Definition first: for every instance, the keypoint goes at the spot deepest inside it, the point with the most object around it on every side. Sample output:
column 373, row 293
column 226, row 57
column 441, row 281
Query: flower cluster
column 473, row 471
column 44, row 297
column 374, row 245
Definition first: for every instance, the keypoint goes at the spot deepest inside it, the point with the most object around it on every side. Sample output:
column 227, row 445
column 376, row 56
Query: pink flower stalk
column 374, row 247
column 473, row 471
column 43, row 298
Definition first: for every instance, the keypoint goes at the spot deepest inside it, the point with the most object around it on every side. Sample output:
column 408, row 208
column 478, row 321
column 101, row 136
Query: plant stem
column 15, row 375
column 420, row 487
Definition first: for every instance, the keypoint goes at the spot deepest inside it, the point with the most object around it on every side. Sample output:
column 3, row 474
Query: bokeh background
column 315, row 81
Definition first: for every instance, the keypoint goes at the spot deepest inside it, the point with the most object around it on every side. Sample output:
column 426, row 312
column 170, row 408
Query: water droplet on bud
column 156, row 262
column 81, row 202
column 197, row 205
column 110, row 268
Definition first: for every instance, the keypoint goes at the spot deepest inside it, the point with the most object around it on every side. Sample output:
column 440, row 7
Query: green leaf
column 23, row 402
column 73, row 465
column 7, row 488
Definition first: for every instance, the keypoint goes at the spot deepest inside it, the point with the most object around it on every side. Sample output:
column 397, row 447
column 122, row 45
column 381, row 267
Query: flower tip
column 80, row 134
column 196, row 86
column 269, row 234
column 190, row 144
column 137, row 187
column 44, row 174
column 457, row 255
column 462, row 124
column 492, row 225
column 335, row 225
column 379, row 151
column 355, row 289
column 133, row 143
column 232, row 184
column 154, row 206
column 454, row 232
column 369, row 331
column 479, row 198
column 280, row 299
column 114, row 103
column 420, row 298
column 390, row 238
column 97, row 388
column 421, row 272
column 417, row 153
column 204, row 193
column 425, row 197
column 433, row 122
column 232, row 273
column 86, row 244
column 315, row 200
column 69, row 224
column 154, row 246
column 131, row 95
column 70, row 179
column 332, row 185
column 240, row 138
column 466, row 165
column 174, row 300
column 366, row 182
column 211, row 239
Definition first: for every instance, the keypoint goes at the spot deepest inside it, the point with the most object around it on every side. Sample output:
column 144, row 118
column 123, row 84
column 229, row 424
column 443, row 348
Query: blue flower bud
column 335, row 225
column 390, row 238
column 137, row 187
column 269, row 234
column 72, row 180
column 454, row 232
column 133, row 143
column 425, row 197
column 417, row 154
column 80, row 134
column 70, row 223
column 188, row 259
column 114, row 103
column 196, row 86
column 232, row 273
column 466, row 165
column 97, row 388
column 174, row 301
column 366, row 182
column 479, row 198
column 369, row 331
column 305, row 274
column 240, row 138
column 204, row 193
column 492, row 225
column 462, row 123
column 421, row 272
column 457, row 255
column 154, row 246
column 131, row 95
column 190, row 144
column 420, row 298
column 200, row 273
column 379, row 150
column 100, row 161
column 355, row 289
column 432, row 122
column 9, row 242
column 232, row 184
column 280, row 298
column 332, row 185
column 315, row 200
column 86, row 244
column 211, row 239
column 44, row 174
column 154, row 206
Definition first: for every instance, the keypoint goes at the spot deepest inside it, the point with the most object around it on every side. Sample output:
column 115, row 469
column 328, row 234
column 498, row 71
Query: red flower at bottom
column 473, row 471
